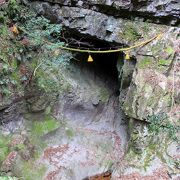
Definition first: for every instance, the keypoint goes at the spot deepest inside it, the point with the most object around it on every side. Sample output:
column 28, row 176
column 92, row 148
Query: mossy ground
column 4, row 147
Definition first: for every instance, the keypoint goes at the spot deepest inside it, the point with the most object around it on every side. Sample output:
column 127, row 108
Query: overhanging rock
column 98, row 25
column 158, row 11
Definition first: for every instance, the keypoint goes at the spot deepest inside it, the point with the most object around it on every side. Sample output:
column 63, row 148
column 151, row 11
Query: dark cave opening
column 104, row 67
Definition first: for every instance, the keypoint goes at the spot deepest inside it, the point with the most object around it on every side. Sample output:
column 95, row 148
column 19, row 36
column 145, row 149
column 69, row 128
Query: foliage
column 160, row 123
column 33, row 50
column 13, row 9
column 44, row 37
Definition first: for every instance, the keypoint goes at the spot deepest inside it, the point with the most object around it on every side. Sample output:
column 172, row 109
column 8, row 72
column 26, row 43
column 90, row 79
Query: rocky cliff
column 115, row 114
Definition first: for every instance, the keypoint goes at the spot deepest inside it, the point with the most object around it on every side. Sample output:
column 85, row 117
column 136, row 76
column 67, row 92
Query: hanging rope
column 125, row 50
column 103, row 51
column 115, row 50
column 100, row 51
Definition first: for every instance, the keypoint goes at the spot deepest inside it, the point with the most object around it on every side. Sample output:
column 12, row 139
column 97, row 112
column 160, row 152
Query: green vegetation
column 28, row 171
column 131, row 32
column 141, row 161
column 164, row 62
column 145, row 62
column 69, row 133
column 13, row 10
column 29, row 50
column 41, row 128
column 169, row 50
column 160, row 123
column 4, row 149
column 3, row 153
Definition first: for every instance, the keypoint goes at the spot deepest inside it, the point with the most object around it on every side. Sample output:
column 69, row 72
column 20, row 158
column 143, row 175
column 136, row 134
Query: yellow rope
column 104, row 51
column 113, row 51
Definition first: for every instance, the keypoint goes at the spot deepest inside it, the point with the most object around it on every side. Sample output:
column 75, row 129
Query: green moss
column 70, row 133
column 28, row 171
column 3, row 141
column 130, row 32
column 147, row 61
column 21, row 147
column 3, row 153
column 2, row 19
column 147, row 161
column 164, row 62
column 41, row 128
column 146, row 27
column 141, row 161
column 3, row 30
column 170, row 50
column 4, row 177
column 152, row 101
column 157, row 146
column 4, row 149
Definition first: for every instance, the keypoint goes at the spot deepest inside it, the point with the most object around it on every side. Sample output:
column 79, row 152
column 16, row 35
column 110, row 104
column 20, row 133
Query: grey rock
column 165, row 10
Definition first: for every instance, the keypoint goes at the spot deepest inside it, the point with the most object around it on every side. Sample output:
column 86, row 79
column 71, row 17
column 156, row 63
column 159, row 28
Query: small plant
column 160, row 123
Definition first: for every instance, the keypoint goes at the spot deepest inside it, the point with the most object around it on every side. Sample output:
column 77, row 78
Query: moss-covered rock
column 4, row 147
column 40, row 128
column 28, row 169
column 151, row 89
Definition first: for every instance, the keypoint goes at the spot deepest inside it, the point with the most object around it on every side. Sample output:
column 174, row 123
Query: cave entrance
column 103, row 67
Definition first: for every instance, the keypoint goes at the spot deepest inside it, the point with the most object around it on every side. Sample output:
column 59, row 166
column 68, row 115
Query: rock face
column 157, row 79
column 156, row 11
column 153, row 82
column 95, row 24
column 147, row 88
column 92, row 135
